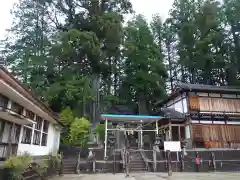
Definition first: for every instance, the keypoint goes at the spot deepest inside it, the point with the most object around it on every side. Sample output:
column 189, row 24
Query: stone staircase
column 137, row 163
column 69, row 165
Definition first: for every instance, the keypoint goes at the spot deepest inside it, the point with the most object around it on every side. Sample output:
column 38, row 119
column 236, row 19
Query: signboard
column 174, row 146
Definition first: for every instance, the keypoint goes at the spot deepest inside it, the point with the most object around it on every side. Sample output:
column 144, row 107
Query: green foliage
column 100, row 129
column 66, row 116
column 41, row 167
column 17, row 165
column 79, row 132
column 89, row 59
column 54, row 160
column 145, row 72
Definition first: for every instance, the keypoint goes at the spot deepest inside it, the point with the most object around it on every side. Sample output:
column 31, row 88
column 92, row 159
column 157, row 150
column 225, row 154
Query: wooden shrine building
column 210, row 116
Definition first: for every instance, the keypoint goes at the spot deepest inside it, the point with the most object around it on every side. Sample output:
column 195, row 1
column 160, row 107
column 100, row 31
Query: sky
column 145, row 7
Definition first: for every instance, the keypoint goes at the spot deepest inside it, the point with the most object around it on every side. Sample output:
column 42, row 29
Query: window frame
column 4, row 101
column 39, row 135
column 23, row 137
column 17, row 108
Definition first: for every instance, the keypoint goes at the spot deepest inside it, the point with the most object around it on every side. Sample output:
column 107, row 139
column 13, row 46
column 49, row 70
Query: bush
column 16, row 165
column 79, row 132
column 54, row 161
column 100, row 129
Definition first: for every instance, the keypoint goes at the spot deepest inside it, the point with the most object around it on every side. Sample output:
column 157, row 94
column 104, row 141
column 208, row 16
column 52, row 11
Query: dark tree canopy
column 82, row 55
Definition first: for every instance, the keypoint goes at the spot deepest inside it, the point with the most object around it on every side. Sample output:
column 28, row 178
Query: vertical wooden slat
column 218, row 135
column 194, row 103
column 215, row 104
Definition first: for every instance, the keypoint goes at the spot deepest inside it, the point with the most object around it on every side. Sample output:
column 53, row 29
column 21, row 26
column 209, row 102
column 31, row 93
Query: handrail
column 145, row 159
column 123, row 159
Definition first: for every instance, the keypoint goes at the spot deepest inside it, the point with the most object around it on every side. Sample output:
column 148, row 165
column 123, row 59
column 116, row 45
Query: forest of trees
column 83, row 55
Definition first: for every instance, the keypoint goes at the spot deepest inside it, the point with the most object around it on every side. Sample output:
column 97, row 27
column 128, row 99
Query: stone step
column 69, row 164
column 132, row 164
column 137, row 166
column 137, row 170
column 69, row 172
column 69, row 168
column 69, row 161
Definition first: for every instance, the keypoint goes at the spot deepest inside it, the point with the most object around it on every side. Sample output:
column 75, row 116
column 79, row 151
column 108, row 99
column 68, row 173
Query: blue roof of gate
column 119, row 117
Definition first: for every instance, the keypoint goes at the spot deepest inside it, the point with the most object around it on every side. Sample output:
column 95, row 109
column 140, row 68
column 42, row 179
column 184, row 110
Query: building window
column 44, row 139
column 39, row 122
column 3, row 101
column 45, row 126
column 45, row 133
column 36, row 137
column 16, row 108
column 9, row 131
column 40, row 132
column 202, row 94
column 30, row 115
column 37, row 131
column 16, row 133
column 27, row 135
column 234, row 96
column 214, row 95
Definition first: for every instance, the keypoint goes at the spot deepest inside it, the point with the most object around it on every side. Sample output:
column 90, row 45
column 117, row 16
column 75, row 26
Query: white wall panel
column 37, row 150
column 185, row 106
column 179, row 104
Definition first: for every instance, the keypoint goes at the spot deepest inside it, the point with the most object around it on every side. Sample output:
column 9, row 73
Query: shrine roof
column 130, row 118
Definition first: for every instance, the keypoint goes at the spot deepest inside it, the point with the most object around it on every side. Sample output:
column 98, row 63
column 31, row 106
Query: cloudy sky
column 146, row 7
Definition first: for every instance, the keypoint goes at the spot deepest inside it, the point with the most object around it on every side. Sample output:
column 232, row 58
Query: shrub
column 79, row 132
column 100, row 129
column 16, row 165
column 54, row 161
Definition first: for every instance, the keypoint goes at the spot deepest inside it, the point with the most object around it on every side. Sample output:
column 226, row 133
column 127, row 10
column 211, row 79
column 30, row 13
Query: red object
column 197, row 160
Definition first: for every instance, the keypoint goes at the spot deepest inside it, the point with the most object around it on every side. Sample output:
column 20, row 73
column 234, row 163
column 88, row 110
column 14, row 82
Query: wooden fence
column 209, row 160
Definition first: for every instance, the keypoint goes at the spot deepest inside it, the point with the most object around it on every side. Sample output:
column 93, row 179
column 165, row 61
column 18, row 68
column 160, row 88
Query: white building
column 26, row 124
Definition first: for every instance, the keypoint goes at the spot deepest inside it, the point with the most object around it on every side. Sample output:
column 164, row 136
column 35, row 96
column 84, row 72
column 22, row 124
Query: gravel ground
column 153, row 176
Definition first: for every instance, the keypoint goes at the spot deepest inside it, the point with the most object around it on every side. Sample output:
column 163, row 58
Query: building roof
column 120, row 109
column 184, row 87
column 20, row 87
column 208, row 88
column 171, row 113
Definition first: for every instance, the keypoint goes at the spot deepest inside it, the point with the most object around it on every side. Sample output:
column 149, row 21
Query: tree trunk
column 142, row 108
column 95, row 103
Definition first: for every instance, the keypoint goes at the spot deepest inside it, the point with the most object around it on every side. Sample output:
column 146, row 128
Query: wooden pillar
column 10, row 139
column 157, row 127
column 181, row 161
column 155, row 151
column 169, row 163
column 154, row 159
column 61, row 164
column 170, row 130
column 105, row 142
column 141, row 136
column 78, row 163
column 213, row 161
column 179, row 133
